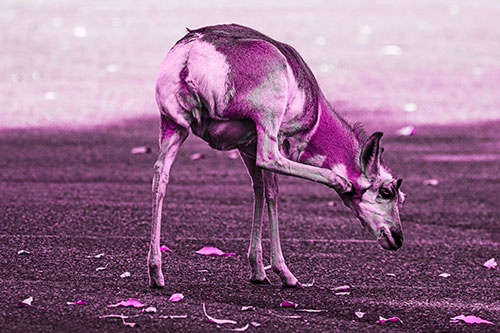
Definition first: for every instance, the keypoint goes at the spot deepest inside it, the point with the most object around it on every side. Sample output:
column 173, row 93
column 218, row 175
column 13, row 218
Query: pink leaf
column 287, row 304
column 470, row 320
column 342, row 288
column 176, row 297
column 26, row 302
column 343, row 293
column 76, row 302
column 255, row 324
column 491, row 263
column 384, row 320
column 217, row 321
column 311, row 310
column 248, row 308
column 165, row 249
column 359, row 314
column 130, row 302
column 150, row 309
column 210, row 250
column 23, row 252
column 174, row 316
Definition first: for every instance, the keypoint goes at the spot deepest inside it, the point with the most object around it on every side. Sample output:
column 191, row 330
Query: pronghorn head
column 376, row 197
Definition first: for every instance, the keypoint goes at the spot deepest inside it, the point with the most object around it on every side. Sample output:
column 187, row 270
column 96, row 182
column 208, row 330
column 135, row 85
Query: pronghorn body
column 239, row 89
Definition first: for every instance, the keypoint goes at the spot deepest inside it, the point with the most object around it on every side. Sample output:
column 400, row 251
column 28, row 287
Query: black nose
column 398, row 237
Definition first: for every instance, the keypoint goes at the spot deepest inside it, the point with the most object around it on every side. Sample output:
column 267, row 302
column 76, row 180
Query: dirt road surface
column 69, row 195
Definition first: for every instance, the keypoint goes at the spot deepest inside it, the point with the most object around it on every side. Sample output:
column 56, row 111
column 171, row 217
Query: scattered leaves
column 76, row 302
column 391, row 274
column 470, row 320
column 311, row 310
column 165, row 249
column 130, row 302
column 122, row 317
column 255, row 324
column 248, row 308
column 26, row 302
column 445, row 275
column 343, row 293
column 342, row 288
column 217, row 321
column 100, row 255
column 268, row 267
column 100, row 269
column 491, row 263
column 124, row 275
column 23, row 252
column 184, row 316
column 140, row 150
column 382, row 320
column 210, row 250
column 150, row 309
column 288, row 304
column 176, row 297
column 359, row 314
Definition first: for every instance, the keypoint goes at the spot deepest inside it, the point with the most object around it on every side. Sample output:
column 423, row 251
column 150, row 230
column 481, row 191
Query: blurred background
column 74, row 63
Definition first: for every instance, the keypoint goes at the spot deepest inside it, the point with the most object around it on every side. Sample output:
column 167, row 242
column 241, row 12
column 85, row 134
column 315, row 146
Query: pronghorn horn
column 370, row 156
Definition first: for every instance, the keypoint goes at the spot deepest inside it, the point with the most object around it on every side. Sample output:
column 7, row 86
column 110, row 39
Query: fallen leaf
column 310, row 310
column 491, row 263
column 26, row 302
column 307, row 285
column 391, row 274
column 470, row 320
column 217, row 321
column 286, row 317
column 196, row 156
column 124, row 275
column 382, row 320
column 140, row 150
column 341, row 288
column 100, row 269
column 210, row 250
column 445, row 275
column 248, row 308
column 150, row 309
column 255, row 324
column 267, row 267
column 174, row 316
column 130, row 302
column 406, row 131
column 96, row 256
column 165, row 249
column 240, row 329
column 76, row 302
column 287, row 304
column 431, row 182
column 343, row 293
column 359, row 314
column 23, row 252
column 176, row 297
column 122, row 317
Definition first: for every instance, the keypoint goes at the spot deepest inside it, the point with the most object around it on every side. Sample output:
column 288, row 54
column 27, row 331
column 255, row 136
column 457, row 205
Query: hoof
column 156, row 279
column 157, row 283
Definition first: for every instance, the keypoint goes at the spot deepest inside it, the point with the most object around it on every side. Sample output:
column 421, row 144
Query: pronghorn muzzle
column 391, row 239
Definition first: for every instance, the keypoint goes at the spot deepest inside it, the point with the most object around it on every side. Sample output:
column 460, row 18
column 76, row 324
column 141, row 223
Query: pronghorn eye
column 385, row 193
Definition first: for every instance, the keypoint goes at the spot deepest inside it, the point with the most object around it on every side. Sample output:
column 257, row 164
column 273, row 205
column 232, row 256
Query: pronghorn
column 238, row 89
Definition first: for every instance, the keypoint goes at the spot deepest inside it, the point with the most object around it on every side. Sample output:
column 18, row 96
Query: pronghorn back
column 230, row 71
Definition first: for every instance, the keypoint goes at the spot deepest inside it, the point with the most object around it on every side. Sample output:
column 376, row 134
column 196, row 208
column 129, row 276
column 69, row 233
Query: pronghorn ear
column 370, row 155
column 399, row 181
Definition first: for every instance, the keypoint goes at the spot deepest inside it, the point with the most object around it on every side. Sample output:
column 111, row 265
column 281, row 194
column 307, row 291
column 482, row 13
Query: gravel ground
column 69, row 195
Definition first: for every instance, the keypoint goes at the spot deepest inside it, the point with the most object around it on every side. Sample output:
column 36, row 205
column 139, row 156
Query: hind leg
column 258, row 275
column 171, row 138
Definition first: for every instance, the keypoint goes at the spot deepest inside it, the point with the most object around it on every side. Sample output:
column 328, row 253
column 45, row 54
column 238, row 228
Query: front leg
column 277, row 259
column 270, row 158
column 258, row 274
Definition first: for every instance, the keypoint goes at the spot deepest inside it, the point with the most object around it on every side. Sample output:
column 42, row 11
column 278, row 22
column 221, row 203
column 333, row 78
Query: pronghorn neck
column 334, row 144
